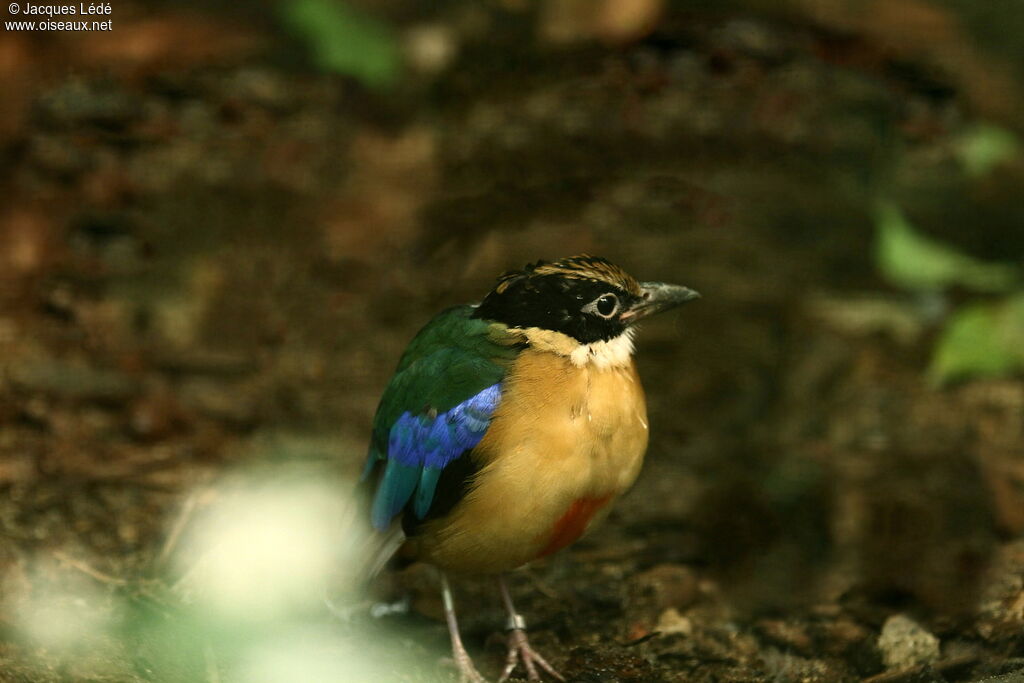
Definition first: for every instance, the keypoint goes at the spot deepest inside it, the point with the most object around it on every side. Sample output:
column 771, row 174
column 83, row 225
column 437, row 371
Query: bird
column 509, row 428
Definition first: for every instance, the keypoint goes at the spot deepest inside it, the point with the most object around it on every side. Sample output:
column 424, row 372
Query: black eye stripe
column 567, row 305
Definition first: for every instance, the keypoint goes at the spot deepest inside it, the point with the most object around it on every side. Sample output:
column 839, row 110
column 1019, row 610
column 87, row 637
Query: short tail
column 365, row 550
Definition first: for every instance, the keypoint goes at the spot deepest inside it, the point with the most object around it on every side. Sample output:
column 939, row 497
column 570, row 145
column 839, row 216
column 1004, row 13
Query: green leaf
column 913, row 261
column 984, row 147
column 981, row 340
column 345, row 40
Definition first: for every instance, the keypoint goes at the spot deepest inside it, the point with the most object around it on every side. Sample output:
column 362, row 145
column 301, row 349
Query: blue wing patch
column 420, row 446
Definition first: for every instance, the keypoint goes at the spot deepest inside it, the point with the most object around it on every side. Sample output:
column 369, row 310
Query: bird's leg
column 518, row 645
column 467, row 672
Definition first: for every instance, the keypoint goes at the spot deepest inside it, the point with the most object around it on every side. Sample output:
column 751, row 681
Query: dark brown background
column 212, row 254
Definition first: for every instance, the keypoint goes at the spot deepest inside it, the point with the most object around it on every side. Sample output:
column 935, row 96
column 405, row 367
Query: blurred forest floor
column 212, row 255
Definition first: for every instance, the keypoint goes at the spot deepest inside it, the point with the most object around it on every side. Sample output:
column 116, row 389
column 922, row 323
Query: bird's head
column 583, row 297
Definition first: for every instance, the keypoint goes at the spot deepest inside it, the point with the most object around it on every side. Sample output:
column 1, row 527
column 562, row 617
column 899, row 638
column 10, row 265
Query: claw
column 519, row 649
column 464, row 665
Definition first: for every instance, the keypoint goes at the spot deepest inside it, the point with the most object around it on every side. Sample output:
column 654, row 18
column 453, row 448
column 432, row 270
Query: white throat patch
column 614, row 353
column 602, row 355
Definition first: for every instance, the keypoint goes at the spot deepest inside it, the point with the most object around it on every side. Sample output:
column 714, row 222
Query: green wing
column 437, row 407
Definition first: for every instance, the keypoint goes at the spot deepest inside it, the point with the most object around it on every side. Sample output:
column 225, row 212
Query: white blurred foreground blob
column 263, row 558
column 266, row 549
column 309, row 655
column 63, row 611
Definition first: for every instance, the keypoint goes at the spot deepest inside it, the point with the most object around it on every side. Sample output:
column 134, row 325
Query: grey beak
column 658, row 297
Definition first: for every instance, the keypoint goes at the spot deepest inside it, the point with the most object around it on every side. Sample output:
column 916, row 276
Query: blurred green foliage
column 345, row 40
column 913, row 261
column 981, row 339
column 984, row 147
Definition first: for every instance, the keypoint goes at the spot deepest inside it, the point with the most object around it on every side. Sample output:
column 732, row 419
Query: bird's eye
column 605, row 305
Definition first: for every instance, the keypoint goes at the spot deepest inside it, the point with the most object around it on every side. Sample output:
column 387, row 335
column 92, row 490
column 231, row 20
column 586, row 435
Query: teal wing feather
column 436, row 408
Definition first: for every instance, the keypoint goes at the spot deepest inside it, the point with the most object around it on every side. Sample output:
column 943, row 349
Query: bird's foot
column 464, row 665
column 519, row 650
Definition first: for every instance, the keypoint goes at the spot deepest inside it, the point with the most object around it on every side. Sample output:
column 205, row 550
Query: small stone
column 905, row 643
column 672, row 622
